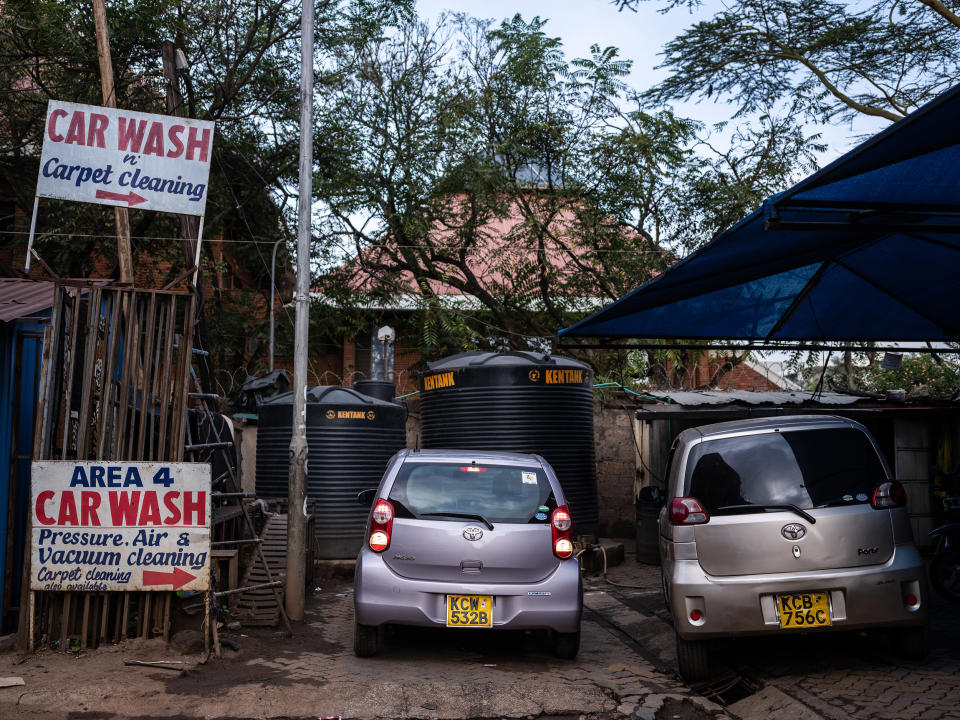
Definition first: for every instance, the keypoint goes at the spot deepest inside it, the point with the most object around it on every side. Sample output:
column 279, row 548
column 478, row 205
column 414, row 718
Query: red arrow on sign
column 131, row 198
column 178, row 578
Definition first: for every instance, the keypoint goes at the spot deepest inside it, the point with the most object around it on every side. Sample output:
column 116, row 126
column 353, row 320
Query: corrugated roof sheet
column 22, row 298
column 710, row 397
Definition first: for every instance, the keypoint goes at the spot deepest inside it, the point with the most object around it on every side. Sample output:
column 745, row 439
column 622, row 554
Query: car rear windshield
column 503, row 493
column 806, row 468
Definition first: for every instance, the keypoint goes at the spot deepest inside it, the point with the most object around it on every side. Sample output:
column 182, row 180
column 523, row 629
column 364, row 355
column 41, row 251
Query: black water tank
column 379, row 389
column 350, row 437
column 520, row 402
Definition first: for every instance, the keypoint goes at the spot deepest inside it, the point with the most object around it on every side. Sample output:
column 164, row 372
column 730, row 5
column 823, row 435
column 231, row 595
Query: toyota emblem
column 793, row 531
column 472, row 533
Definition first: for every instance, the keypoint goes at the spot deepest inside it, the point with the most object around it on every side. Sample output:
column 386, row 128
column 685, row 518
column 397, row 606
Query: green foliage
column 830, row 59
column 477, row 161
column 244, row 65
column 942, row 378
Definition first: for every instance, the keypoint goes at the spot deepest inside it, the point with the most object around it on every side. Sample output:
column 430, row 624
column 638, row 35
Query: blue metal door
column 21, row 350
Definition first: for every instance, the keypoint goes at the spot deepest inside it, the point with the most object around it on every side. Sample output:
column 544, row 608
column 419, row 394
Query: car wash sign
column 103, row 526
column 119, row 157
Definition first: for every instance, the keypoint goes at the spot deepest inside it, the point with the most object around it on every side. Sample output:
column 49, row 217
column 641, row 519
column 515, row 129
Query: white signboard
column 104, row 526
column 120, row 157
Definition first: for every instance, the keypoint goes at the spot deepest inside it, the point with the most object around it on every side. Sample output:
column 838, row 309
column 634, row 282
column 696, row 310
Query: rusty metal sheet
column 107, row 526
column 724, row 397
column 23, row 298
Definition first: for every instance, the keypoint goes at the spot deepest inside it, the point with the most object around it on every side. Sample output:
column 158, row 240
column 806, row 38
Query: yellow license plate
column 804, row 610
column 469, row 611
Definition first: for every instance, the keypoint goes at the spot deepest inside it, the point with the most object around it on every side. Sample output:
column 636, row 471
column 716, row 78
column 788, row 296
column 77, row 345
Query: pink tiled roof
column 504, row 257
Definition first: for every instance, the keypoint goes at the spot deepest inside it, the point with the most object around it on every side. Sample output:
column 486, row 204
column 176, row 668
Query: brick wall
column 744, row 377
column 741, row 377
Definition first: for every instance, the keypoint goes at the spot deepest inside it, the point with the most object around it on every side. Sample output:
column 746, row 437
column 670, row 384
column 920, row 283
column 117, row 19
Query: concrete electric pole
column 297, row 484
column 110, row 100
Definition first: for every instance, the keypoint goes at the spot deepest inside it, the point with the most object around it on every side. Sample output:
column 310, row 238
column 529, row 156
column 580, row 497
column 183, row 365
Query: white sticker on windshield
column 529, row 478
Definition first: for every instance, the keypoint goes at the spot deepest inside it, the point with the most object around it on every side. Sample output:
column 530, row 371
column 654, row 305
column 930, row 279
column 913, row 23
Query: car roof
column 470, row 455
column 781, row 422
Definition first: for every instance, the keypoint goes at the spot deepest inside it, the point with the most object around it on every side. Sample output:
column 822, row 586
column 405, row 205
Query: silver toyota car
column 786, row 525
column 465, row 539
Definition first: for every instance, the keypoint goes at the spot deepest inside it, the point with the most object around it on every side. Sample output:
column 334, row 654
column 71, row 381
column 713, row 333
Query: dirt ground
column 419, row 674
column 626, row 669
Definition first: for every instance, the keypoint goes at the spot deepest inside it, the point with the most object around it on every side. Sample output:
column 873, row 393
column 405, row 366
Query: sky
column 640, row 36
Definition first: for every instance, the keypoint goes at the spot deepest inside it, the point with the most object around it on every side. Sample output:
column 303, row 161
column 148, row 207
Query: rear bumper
column 865, row 597
column 381, row 596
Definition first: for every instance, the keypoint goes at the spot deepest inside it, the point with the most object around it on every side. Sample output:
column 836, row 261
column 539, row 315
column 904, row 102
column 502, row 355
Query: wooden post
column 191, row 226
column 124, row 254
column 65, row 621
column 85, row 621
column 104, row 614
column 166, row 617
column 126, row 614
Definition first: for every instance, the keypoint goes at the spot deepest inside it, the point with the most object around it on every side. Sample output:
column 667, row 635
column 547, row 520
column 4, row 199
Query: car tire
column 566, row 645
column 945, row 572
column 366, row 640
column 692, row 659
column 910, row 643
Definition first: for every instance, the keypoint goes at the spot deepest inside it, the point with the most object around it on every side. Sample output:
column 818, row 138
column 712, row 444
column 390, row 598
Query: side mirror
column 365, row 497
column 651, row 494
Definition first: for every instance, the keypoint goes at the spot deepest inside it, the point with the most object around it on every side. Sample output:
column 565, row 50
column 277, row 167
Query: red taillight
column 687, row 511
column 695, row 615
column 561, row 525
column 911, row 600
column 472, row 468
column 381, row 525
column 889, row 495
column 561, row 519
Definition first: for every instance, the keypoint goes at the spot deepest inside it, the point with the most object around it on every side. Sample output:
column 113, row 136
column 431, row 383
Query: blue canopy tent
column 866, row 249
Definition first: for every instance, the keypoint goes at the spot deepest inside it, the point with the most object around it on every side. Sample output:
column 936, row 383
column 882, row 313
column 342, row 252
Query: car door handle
column 471, row 566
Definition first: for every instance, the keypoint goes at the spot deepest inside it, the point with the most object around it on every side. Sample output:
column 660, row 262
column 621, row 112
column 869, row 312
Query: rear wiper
column 802, row 513
column 839, row 501
column 466, row 516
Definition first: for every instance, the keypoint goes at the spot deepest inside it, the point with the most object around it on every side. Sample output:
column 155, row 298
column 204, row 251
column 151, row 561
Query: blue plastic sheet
column 866, row 249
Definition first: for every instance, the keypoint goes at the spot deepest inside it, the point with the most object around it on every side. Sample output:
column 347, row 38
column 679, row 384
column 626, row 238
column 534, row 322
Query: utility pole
column 188, row 223
column 297, row 482
column 174, row 104
column 110, row 100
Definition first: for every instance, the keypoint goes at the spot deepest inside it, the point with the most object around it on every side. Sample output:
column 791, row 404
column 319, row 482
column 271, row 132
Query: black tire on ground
column 692, row 660
column 366, row 640
column 910, row 643
column 945, row 573
column 566, row 645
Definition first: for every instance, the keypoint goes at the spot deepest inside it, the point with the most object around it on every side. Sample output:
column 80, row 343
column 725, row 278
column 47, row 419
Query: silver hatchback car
column 466, row 539
column 784, row 525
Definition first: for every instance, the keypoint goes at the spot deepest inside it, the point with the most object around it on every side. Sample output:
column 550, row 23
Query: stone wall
column 616, row 456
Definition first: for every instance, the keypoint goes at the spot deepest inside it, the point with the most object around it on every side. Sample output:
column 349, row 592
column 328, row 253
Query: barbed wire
column 266, row 241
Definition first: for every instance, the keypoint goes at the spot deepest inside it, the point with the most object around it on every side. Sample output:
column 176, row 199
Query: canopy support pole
column 803, row 346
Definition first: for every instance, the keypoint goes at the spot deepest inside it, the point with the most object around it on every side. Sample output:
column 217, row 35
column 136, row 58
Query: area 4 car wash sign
column 103, row 526
column 120, row 157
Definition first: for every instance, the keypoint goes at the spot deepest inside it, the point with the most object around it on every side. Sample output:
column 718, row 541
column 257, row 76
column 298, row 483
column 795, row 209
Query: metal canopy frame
column 698, row 344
